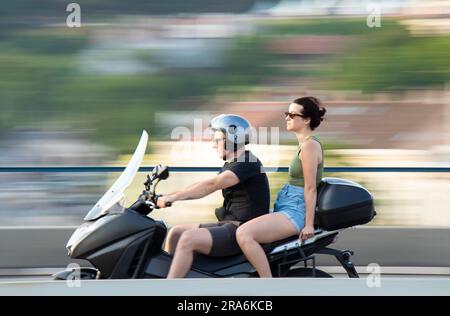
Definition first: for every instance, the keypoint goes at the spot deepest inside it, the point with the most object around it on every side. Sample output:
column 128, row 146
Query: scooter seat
column 269, row 247
column 211, row 264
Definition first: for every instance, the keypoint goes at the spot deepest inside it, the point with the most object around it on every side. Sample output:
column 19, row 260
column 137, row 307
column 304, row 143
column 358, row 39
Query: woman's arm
column 310, row 156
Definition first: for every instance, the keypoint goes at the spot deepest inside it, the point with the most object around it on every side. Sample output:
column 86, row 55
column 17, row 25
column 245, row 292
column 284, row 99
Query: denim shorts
column 291, row 202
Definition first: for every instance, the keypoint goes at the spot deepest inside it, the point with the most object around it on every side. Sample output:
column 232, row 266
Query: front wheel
column 77, row 274
column 307, row 273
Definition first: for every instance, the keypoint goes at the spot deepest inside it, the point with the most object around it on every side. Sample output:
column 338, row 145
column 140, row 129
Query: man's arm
column 201, row 189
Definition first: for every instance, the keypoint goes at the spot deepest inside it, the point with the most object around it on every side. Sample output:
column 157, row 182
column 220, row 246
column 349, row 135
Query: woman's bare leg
column 261, row 230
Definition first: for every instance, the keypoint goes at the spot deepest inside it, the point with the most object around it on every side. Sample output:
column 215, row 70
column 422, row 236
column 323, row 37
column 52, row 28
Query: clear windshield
column 114, row 197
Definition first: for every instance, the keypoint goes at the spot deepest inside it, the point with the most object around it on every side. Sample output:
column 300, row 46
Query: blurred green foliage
column 41, row 84
column 387, row 58
column 308, row 26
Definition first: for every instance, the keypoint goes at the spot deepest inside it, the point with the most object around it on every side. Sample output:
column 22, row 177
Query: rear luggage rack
column 282, row 271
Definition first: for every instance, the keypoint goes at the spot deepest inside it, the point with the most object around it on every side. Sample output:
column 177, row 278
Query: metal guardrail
column 216, row 169
column 387, row 246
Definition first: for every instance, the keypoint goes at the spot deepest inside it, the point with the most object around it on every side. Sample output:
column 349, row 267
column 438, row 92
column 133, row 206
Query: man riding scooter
column 126, row 243
column 245, row 189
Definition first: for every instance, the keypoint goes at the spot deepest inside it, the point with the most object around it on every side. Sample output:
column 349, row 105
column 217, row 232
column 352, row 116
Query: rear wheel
column 307, row 273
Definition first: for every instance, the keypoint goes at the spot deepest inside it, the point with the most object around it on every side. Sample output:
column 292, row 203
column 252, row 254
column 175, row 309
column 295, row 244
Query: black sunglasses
column 292, row 115
column 217, row 140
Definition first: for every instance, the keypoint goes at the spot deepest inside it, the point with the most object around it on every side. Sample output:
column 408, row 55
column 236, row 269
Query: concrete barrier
column 44, row 247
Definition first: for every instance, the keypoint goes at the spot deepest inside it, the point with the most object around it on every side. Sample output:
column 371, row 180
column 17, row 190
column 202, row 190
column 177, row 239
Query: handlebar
column 156, row 197
column 148, row 200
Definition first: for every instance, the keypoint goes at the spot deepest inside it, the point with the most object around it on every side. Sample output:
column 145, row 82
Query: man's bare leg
column 174, row 235
column 199, row 240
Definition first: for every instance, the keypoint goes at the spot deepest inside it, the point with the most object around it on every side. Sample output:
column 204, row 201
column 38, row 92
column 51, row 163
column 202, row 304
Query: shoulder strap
column 308, row 137
column 313, row 137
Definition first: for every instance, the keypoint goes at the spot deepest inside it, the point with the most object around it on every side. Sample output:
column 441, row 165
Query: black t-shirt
column 250, row 197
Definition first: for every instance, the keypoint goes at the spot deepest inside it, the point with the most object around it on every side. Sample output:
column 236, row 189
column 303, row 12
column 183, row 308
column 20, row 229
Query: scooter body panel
column 158, row 267
column 118, row 227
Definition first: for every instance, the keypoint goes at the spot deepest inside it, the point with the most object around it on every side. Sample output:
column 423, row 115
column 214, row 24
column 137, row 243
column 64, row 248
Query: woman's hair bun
column 322, row 112
column 312, row 108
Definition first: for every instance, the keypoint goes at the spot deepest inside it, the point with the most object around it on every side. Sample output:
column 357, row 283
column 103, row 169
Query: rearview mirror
column 160, row 172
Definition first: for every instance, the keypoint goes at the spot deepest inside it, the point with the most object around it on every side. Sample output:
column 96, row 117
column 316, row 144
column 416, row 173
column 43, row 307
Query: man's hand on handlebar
column 164, row 201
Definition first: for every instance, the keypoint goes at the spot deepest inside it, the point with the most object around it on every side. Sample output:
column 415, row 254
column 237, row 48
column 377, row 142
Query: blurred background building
column 82, row 96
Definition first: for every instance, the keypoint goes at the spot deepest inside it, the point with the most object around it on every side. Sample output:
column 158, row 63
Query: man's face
column 219, row 144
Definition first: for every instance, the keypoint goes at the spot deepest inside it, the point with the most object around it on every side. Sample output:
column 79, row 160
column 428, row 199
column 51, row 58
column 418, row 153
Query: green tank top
column 296, row 170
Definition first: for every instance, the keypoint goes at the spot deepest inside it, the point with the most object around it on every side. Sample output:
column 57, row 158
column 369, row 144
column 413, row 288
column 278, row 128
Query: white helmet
column 236, row 128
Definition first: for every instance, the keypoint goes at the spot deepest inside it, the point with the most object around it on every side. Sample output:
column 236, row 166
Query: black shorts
column 224, row 238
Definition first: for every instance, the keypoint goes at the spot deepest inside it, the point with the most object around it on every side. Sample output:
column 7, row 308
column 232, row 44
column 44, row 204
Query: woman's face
column 296, row 123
